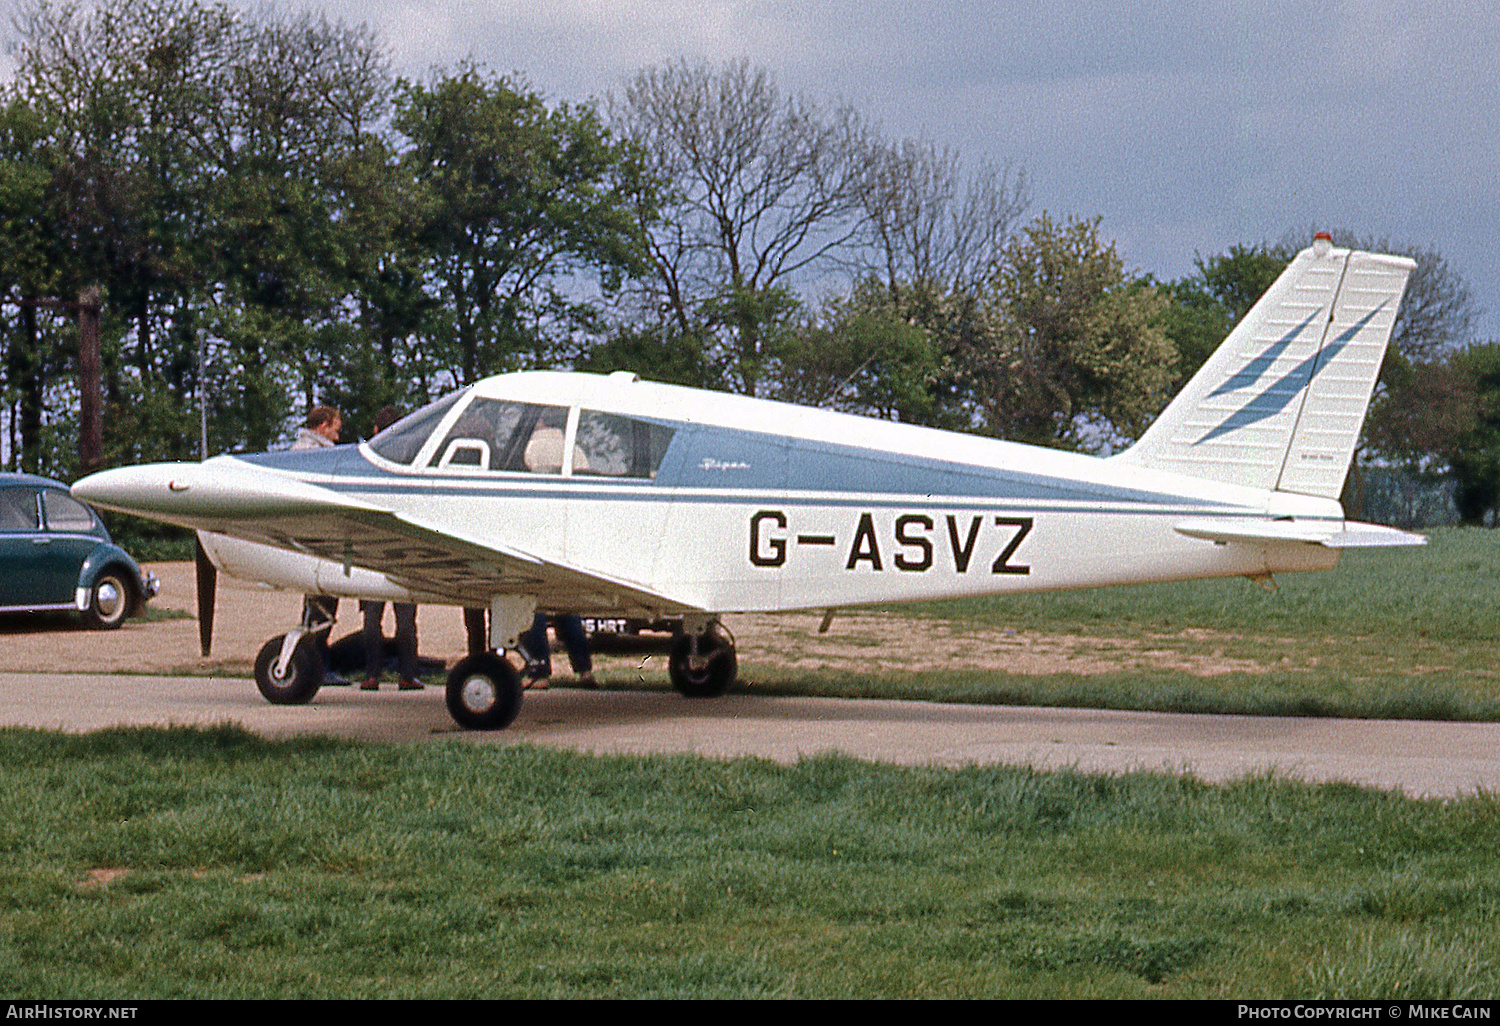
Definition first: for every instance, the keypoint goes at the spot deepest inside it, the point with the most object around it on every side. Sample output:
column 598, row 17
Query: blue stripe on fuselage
column 747, row 462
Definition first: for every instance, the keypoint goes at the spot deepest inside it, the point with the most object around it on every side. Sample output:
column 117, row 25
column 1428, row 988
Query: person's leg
column 406, row 644
column 374, row 639
column 538, row 653
column 571, row 633
column 318, row 609
column 477, row 631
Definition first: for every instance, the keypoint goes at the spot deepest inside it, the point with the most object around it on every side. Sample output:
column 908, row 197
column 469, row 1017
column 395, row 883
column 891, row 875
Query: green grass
column 238, row 867
column 1448, row 590
column 1388, row 696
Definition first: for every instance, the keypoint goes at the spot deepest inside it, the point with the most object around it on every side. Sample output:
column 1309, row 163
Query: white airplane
column 612, row 496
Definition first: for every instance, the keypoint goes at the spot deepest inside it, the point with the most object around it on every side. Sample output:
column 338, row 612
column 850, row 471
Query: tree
column 756, row 190
column 200, row 162
column 1072, row 353
column 1442, row 418
column 1205, row 306
column 517, row 201
column 862, row 354
column 929, row 226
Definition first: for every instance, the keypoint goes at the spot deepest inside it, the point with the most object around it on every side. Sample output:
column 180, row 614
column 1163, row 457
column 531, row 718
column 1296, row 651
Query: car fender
column 143, row 586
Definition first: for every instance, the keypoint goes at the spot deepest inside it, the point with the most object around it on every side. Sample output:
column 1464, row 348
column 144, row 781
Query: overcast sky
column 1187, row 126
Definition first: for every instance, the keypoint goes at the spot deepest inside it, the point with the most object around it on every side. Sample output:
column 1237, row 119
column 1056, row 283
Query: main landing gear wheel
column 301, row 679
column 109, row 602
column 703, row 665
column 484, row 692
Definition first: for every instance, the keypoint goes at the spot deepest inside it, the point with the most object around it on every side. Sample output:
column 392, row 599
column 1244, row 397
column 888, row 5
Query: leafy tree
column 199, row 163
column 862, row 354
column 1073, row 354
column 1442, row 418
column 755, row 190
column 517, row 201
column 31, row 260
column 1205, row 306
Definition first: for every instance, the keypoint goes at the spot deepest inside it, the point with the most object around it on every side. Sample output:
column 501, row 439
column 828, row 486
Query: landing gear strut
column 702, row 664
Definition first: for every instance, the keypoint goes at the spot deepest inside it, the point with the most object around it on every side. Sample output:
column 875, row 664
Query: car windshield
column 401, row 442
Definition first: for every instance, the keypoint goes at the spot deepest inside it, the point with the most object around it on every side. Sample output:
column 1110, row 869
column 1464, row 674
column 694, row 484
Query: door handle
column 41, row 541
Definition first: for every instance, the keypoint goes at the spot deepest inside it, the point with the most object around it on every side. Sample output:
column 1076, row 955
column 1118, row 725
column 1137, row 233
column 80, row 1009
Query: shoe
column 409, row 684
column 333, row 680
column 537, row 684
column 370, row 684
column 586, row 680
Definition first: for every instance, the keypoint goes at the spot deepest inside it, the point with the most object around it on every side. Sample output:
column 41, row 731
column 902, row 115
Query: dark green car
column 56, row 555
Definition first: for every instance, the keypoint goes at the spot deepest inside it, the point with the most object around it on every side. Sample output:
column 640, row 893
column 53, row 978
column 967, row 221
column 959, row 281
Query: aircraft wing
column 433, row 562
column 1349, row 534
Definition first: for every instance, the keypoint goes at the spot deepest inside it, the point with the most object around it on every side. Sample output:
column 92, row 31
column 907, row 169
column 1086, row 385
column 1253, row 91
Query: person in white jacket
column 321, row 430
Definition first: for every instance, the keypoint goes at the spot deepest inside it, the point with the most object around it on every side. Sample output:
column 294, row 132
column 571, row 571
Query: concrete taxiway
column 1420, row 758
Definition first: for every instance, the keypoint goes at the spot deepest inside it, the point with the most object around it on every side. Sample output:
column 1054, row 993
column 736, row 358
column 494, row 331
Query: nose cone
column 151, row 490
column 209, row 495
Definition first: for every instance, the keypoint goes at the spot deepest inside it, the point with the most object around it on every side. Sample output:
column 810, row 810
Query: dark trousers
column 406, row 638
column 477, row 630
column 569, row 631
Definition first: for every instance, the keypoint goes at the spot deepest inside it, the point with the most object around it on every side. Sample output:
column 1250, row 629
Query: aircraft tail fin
column 1281, row 402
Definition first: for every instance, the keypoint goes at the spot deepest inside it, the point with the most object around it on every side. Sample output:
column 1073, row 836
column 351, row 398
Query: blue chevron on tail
column 1281, row 402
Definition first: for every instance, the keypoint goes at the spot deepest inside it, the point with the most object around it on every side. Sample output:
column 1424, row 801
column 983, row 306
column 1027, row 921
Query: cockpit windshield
column 401, row 442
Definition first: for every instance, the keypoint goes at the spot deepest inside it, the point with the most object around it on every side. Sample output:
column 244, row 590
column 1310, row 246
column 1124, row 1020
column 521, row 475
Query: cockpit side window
column 403, row 440
column 610, row 445
column 495, row 434
column 540, row 443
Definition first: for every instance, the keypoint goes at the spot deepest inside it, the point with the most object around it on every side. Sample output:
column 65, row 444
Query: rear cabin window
column 610, row 445
column 495, row 434
column 18, row 509
column 65, row 513
column 401, row 442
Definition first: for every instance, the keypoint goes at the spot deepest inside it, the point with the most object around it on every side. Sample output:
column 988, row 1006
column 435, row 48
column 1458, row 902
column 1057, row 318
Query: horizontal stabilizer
column 1333, row 534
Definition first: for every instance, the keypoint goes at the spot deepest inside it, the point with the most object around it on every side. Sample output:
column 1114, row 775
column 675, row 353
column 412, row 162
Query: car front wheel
column 109, row 602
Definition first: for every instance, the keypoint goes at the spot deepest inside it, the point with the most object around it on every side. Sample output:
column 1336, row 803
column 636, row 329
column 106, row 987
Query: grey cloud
column 1189, row 126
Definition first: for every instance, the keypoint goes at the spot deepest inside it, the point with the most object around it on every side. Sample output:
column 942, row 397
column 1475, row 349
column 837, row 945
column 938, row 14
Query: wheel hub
column 107, row 597
column 479, row 694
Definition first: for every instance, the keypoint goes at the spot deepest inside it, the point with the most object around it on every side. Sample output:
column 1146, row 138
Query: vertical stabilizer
column 1281, row 402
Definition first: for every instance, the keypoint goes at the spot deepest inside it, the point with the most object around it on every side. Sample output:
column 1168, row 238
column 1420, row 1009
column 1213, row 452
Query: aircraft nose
column 153, row 488
column 206, row 495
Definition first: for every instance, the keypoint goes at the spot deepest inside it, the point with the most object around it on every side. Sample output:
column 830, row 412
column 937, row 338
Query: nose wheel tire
column 109, row 602
column 301, row 679
column 704, row 672
column 484, row 693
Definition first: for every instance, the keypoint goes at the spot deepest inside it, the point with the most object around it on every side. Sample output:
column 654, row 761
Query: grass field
column 1404, row 633
column 184, row 863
